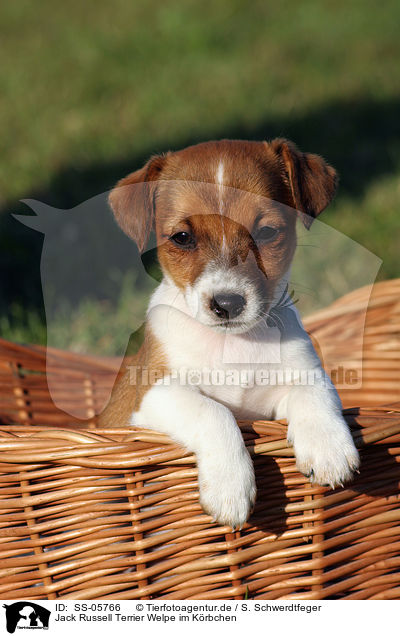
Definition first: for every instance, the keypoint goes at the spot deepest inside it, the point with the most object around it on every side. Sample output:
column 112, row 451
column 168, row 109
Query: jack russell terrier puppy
column 224, row 216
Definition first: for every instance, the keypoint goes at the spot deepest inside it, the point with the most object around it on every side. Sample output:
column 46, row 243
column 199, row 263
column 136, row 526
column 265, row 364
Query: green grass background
column 90, row 89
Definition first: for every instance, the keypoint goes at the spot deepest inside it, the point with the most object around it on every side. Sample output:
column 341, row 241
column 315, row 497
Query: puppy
column 224, row 216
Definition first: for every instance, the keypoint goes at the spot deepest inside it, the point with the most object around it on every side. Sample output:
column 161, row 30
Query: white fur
column 227, row 485
column 217, row 278
column 202, row 418
column 220, row 182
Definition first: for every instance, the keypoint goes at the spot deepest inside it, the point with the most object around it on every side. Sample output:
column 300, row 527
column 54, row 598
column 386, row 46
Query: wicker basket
column 89, row 514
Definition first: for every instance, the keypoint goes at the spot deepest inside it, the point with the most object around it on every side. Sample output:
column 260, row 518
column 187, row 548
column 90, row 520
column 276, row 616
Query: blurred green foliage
column 90, row 89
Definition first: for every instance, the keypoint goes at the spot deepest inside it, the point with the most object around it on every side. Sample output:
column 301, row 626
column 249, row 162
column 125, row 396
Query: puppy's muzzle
column 227, row 306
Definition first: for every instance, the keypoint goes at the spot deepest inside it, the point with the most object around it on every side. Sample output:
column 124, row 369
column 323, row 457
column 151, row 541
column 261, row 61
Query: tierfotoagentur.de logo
column 26, row 615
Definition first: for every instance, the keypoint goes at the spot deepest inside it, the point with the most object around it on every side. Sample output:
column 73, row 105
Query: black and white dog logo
column 26, row 615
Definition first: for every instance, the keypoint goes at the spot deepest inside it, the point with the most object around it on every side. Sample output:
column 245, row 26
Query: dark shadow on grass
column 360, row 137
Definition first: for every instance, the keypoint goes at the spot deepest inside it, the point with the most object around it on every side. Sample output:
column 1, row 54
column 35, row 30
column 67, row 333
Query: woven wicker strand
column 89, row 513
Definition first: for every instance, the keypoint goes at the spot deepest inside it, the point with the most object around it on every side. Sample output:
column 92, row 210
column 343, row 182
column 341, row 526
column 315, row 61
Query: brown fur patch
column 312, row 181
column 129, row 388
column 274, row 170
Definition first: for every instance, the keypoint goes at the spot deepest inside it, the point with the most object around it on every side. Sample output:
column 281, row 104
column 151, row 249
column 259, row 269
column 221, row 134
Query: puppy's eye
column 265, row 234
column 183, row 239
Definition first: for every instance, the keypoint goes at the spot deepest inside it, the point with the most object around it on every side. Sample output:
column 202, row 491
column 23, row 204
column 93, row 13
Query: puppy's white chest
column 232, row 369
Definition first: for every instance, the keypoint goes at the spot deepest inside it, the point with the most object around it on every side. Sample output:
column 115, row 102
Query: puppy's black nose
column 227, row 306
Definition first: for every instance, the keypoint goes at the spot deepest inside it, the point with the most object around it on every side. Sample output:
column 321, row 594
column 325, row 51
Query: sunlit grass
column 90, row 89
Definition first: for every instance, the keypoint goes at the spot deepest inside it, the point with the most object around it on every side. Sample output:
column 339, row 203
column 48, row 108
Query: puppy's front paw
column 227, row 487
column 324, row 450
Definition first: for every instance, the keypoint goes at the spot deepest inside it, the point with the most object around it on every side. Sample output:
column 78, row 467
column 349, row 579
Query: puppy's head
column 224, row 214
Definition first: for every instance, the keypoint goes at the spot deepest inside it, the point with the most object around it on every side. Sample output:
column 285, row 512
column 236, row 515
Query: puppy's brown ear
column 311, row 180
column 132, row 200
